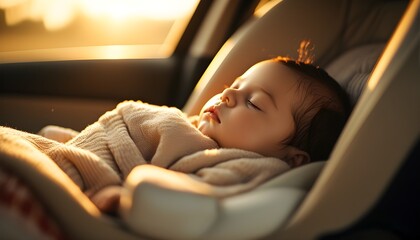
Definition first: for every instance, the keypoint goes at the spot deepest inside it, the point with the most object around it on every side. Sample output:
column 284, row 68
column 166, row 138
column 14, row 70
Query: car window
column 38, row 30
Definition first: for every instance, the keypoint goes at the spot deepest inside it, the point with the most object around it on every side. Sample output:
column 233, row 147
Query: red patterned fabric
column 20, row 203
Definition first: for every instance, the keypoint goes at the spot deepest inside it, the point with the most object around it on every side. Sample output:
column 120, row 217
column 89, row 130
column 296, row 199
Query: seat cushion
column 353, row 68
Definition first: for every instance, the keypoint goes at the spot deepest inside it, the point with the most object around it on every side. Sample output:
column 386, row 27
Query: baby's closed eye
column 253, row 105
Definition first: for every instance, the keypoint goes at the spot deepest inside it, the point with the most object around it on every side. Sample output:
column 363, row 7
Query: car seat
column 304, row 203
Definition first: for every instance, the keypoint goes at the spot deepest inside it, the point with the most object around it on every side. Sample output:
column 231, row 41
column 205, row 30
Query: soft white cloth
column 136, row 133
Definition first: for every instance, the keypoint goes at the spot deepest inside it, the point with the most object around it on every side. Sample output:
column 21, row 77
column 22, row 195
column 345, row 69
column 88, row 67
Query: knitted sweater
column 135, row 133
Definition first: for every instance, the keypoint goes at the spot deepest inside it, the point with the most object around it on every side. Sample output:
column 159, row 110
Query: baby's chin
column 204, row 128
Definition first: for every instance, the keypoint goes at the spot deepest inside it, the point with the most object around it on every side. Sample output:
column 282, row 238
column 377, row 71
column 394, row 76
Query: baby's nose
column 228, row 97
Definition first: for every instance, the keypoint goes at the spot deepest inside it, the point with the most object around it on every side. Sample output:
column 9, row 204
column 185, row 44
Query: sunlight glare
column 125, row 9
column 57, row 14
column 212, row 152
column 10, row 3
column 115, row 52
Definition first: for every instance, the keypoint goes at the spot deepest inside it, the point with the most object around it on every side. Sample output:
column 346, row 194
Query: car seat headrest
column 353, row 68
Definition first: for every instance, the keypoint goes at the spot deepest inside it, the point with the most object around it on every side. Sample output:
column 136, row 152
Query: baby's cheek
column 241, row 138
column 203, row 128
column 212, row 101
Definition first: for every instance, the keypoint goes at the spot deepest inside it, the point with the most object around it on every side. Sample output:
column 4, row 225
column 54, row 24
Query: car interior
column 367, row 189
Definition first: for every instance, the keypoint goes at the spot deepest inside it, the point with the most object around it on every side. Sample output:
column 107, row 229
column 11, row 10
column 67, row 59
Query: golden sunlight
column 166, row 179
column 212, row 152
column 124, row 9
column 114, row 52
column 57, row 14
column 91, row 29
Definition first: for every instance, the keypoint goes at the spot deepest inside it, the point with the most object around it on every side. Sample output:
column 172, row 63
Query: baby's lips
column 213, row 113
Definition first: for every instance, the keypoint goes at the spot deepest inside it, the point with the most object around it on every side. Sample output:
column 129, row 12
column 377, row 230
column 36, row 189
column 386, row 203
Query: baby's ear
column 296, row 157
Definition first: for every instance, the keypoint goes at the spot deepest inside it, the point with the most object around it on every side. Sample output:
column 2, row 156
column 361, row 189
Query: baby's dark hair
column 321, row 112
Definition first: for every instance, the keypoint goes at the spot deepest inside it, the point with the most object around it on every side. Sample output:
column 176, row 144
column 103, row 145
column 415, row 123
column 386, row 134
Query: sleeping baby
column 278, row 115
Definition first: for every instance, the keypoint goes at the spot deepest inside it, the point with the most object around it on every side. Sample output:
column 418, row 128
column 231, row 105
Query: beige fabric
column 135, row 133
column 354, row 67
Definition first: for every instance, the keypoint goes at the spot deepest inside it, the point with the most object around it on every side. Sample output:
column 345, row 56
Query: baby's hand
column 57, row 133
column 108, row 199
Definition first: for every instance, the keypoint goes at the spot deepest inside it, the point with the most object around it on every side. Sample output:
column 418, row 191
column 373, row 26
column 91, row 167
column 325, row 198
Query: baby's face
column 255, row 112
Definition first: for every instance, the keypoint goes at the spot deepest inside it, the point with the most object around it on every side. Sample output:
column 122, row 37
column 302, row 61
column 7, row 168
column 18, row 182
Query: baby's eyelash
column 249, row 102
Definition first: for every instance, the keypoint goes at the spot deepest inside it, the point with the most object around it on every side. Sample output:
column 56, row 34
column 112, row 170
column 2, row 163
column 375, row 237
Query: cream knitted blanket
column 135, row 133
